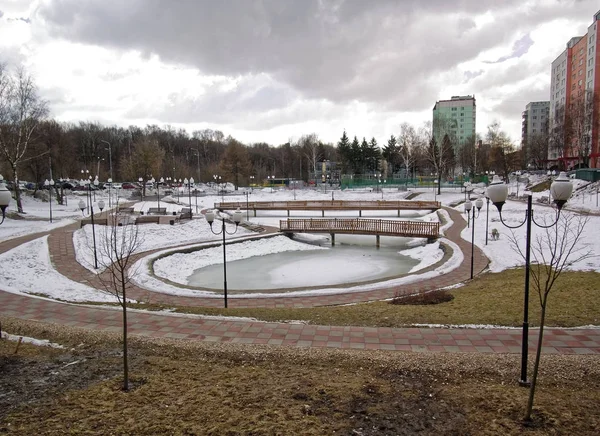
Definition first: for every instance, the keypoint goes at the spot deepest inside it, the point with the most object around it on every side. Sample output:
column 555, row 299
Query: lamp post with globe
column 561, row 190
column 237, row 218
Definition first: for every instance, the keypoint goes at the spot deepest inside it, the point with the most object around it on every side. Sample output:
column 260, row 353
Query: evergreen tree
column 364, row 156
column 345, row 152
column 356, row 161
column 373, row 155
column 390, row 153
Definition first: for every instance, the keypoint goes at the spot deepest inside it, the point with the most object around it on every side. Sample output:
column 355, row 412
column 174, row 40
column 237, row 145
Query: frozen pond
column 352, row 259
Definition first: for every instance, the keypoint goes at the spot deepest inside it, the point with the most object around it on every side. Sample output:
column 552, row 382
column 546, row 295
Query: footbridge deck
column 361, row 226
column 330, row 205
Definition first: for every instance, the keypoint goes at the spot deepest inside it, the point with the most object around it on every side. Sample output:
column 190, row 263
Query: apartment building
column 575, row 102
column 535, row 119
column 455, row 117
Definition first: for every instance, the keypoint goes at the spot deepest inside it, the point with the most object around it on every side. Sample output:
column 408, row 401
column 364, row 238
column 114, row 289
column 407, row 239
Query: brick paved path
column 563, row 341
column 62, row 254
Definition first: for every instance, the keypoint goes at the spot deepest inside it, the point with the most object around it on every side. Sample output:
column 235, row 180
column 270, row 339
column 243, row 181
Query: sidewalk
column 62, row 254
column 558, row 341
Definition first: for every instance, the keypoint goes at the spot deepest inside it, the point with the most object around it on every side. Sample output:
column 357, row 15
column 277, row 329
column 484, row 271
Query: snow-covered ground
column 28, row 268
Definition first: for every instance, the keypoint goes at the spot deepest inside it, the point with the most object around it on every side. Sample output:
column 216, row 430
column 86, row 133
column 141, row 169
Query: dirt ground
column 186, row 388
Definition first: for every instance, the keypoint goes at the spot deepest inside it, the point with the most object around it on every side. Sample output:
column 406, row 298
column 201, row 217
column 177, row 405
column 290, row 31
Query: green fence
column 589, row 174
column 414, row 182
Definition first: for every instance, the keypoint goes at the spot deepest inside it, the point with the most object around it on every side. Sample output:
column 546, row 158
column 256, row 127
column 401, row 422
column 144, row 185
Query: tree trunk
column 17, row 190
column 536, row 365
column 125, row 361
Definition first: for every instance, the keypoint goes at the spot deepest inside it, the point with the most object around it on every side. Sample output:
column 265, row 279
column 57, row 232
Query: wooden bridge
column 361, row 226
column 330, row 205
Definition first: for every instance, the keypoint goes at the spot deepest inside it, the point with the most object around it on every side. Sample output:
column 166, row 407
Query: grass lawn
column 183, row 387
column 495, row 299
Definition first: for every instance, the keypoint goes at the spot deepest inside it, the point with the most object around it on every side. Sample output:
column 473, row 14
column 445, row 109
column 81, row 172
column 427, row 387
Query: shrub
column 433, row 297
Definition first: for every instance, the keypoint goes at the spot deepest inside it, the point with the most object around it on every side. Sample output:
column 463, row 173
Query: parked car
column 128, row 185
column 66, row 185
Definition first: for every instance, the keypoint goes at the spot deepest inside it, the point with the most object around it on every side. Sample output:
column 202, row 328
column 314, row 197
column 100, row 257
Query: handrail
column 330, row 204
column 361, row 226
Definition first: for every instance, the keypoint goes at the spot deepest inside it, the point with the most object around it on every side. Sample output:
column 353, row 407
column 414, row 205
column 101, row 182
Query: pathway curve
column 62, row 254
column 563, row 341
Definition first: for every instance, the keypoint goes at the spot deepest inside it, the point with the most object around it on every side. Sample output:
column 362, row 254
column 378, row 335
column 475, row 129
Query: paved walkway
column 558, row 341
column 62, row 254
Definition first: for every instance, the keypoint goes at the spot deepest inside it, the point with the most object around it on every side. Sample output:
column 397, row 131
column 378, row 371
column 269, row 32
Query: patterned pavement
column 557, row 341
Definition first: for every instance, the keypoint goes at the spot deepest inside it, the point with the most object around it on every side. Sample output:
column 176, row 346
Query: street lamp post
column 487, row 215
column 96, row 183
column 435, row 182
column 466, row 185
column 142, row 187
column 50, row 185
column 468, row 208
column 109, row 191
column 84, row 180
column 272, row 179
column 561, row 190
column 237, row 217
column 101, row 207
column 191, row 182
column 247, row 216
column 109, row 157
column 160, row 182
column 219, row 187
column 4, row 198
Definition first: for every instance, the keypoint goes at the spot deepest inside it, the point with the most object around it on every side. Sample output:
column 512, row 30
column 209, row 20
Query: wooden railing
column 330, row 205
column 362, row 226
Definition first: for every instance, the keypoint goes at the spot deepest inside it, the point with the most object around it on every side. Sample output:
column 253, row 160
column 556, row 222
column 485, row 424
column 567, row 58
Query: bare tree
column 310, row 145
column 116, row 245
column 503, row 156
column 554, row 250
column 581, row 122
column 235, row 163
column 21, row 112
column 537, row 149
column 408, row 142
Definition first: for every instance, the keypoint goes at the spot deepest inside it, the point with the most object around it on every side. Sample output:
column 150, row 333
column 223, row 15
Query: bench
column 185, row 213
column 157, row 211
column 126, row 209
column 147, row 219
column 543, row 199
column 97, row 221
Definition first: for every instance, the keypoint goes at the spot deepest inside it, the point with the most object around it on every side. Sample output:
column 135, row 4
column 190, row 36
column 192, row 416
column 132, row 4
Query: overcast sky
column 272, row 70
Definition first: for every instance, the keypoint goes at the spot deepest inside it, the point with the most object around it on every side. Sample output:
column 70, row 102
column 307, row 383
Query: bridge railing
column 330, row 204
column 361, row 226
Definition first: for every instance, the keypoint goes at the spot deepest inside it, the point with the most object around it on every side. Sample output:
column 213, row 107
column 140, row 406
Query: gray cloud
column 340, row 50
column 389, row 54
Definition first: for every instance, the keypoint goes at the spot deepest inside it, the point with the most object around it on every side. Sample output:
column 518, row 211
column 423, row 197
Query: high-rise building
column 456, row 118
column 535, row 121
column 575, row 102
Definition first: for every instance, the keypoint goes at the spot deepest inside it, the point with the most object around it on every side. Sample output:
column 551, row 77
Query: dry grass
column 195, row 388
column 489, row 299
